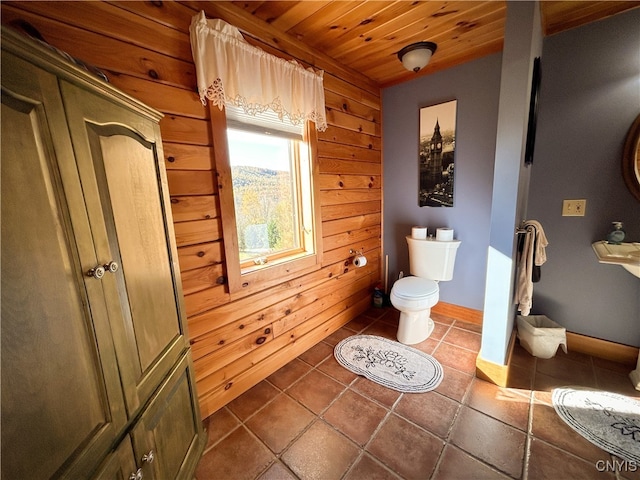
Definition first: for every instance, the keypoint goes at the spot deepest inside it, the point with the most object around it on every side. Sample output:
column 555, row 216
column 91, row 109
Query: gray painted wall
column 476, row 87
column 590, row 95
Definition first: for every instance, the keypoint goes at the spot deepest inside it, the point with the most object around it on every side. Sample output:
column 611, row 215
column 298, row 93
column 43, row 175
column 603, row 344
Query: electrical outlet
column 574, row 208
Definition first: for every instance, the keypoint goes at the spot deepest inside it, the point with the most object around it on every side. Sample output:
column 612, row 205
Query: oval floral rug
column 389, row 363
column 608, row 420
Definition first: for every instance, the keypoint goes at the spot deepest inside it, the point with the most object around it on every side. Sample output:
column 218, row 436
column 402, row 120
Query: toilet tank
column 432, row 259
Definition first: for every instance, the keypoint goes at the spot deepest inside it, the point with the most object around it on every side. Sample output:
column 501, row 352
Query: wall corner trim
column 493, row 372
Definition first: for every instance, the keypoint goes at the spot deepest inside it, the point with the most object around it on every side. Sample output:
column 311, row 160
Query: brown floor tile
column 566, row 369
column 542, row 397
column 280, row 422
column 336, row 371
column 405, row 448
column 613, row 366
column 375, row 391
column 316, row 354
column 456, row 465
column 546, row 383
column 521, row 378
column 355, row 416
column 382, row 329
column 490, row 440
column 315, row 391
column 359, row 323
column 277, row 471
column 427, row 346
column 463, row 338
column 439, row 330
column 391, row 316
column 522, row 358
column 548, row 462
column 252, row 400
column 472, row 327
column 456, row 357
column 612, row 381
column 548, row 426
column 320, row 453
column 218, row 425
column 574, row 356
column 507, row 405
column 290, row 373
column 337, row 336
column 455, row 384
column 465, row 429
column 437, row 317
column 625, row 470
column 240, row 457
column 369, row 469
column 375, row 313
column 432, row 411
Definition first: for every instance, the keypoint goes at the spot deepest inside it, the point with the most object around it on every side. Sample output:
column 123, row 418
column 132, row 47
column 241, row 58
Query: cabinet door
column 119, row 465
column 62, row 403
column 119, row 157
column 170, row 429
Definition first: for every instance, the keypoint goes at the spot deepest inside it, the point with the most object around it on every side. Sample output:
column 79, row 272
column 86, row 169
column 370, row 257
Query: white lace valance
column 231, row 71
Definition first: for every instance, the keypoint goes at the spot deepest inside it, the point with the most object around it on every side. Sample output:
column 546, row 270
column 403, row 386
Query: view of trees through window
column 263, row 170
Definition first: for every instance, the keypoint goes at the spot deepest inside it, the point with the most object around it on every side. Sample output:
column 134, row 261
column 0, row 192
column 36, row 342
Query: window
column 269, row 213
column 271, row 186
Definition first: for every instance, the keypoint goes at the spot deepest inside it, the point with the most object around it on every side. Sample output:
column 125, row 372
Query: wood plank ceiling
column 366, row 35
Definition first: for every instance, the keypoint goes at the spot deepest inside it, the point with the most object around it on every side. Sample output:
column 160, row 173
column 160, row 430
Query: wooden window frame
column 283, row 269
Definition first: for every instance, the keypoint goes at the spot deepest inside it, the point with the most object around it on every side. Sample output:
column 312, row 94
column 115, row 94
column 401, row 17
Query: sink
column 627, row 255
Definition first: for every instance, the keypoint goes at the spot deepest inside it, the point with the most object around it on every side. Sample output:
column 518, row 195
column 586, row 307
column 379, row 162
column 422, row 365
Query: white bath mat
column 389, row 363
column 608, row 420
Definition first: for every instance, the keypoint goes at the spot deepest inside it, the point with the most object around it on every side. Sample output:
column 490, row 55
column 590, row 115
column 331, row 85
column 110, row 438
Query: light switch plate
column 574, row 208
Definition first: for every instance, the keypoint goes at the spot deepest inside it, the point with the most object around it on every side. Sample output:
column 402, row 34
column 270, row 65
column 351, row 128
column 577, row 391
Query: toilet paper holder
column 359, row 260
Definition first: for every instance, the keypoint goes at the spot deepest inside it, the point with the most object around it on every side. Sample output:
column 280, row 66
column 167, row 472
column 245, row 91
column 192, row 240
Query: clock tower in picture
column 434, row 168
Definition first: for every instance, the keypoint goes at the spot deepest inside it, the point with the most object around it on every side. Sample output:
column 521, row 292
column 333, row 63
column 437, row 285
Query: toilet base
column 414, row 327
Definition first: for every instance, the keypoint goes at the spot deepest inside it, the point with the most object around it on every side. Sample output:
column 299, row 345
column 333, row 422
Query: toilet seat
column 415, row 292
column 415, row 287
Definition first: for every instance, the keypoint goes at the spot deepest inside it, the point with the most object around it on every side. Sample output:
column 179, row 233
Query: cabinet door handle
column 96, row 272
column 148, row 457
column 137, row 475
column 99, row 270
column 111, row 267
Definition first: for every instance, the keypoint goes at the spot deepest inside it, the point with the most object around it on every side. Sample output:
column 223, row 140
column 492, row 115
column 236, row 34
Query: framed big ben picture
column 436, row 158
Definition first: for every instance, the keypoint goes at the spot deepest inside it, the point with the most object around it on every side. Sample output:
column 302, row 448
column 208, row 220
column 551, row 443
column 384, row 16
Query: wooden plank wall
column 144, row 49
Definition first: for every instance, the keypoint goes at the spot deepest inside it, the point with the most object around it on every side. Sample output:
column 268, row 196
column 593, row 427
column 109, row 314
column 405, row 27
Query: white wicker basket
column 541, row 336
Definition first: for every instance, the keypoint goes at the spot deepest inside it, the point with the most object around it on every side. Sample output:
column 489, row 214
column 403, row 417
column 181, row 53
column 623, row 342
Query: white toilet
column 429, row 262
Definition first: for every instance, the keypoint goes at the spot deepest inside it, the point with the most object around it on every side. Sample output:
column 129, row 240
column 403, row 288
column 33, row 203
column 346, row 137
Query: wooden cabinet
column 96, row 367
column 166, row 429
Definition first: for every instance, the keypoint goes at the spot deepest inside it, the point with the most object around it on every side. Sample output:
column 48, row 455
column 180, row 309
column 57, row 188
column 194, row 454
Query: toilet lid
column 414, row 287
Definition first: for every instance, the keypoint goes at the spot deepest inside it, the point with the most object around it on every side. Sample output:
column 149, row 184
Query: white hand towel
column 524, row 284
column 540, row 254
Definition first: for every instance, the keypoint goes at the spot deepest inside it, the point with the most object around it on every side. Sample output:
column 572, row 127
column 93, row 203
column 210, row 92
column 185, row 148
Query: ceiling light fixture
column 417, row 55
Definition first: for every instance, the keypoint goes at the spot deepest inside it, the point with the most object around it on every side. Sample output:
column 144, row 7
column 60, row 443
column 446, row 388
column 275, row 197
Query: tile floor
column 313, row 419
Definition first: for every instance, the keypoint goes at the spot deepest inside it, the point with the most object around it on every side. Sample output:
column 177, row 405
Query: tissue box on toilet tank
column 541, row 336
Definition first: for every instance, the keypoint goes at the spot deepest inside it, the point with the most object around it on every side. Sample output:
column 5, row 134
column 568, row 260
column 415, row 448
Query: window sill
column 292, row 257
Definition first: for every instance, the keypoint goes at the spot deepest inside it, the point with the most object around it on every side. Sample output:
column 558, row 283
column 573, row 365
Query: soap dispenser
column 616, row 236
